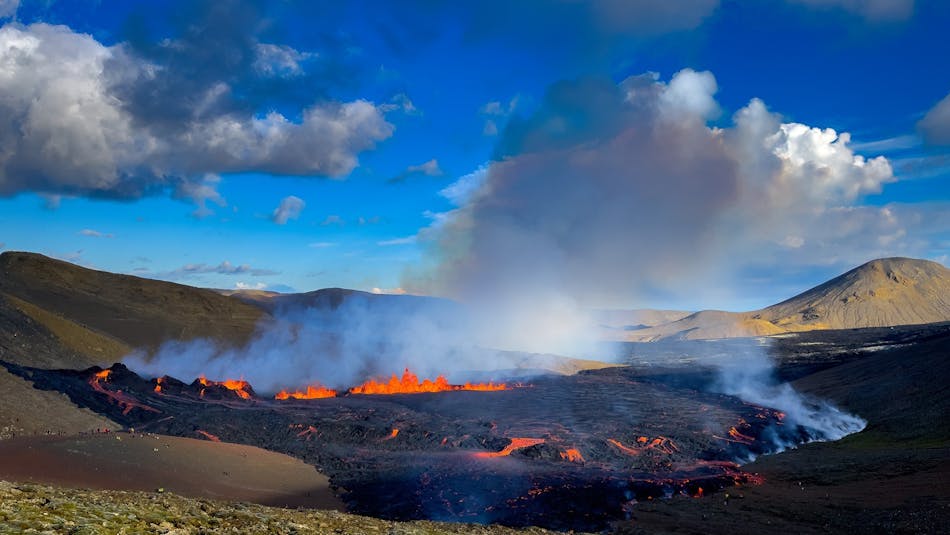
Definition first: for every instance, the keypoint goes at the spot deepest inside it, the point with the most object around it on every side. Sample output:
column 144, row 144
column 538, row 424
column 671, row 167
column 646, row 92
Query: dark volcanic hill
column 54, row 314
column 881, row 293
column 138, row 312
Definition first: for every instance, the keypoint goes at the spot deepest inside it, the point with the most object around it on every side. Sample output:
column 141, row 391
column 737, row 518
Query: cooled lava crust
column 563, row 452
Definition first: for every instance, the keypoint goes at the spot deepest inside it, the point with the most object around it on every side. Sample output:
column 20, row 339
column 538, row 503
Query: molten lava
column 312, row 392
column 746, row 439
column 573, row 455
column 307, row 433
column 661, row 444
column 516, row 444
column 410, row 384
column 238, row 386
column 736, row 436
column 125, row 401
column 207, row 435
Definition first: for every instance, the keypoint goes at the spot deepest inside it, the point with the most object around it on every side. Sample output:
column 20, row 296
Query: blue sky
column 210, row 115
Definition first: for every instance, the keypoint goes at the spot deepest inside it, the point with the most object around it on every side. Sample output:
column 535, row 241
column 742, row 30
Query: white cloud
column 201, row 192
column 888, row 144
column 8, row 8
column 224, row 268
column 429, row 168
column 280, row 60
column 94, row 233
column 388, row 291
column 333, row 220
column 935, row 126
column 407, row 240
column 460, row 191
column 793, row 242
column 321, row 244
column 246, row 286
column 492, row 108
column 490, row 129
column 788, row 166
column 691, row 92
column 289, row 208
column 400, row 102
column 65, row 130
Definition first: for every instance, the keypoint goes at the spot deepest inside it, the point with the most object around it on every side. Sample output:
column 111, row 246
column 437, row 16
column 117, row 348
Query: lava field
column 572, row 452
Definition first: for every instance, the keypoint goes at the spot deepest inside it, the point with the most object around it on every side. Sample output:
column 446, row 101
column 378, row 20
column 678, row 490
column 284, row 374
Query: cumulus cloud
column 76, row 118
column 935, row 126
column 289, row 208
column 95, row 233
column 612, row 192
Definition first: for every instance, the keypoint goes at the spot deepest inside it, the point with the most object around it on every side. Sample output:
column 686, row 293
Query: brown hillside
column 134, row 311
column 881, row 293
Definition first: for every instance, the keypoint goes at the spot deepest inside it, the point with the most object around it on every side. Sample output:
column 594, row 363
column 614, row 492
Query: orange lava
column 238, row 386
column 621, row 447
column 734, row 433
column 308, row 433
column 516, row 444
column 661, row 444
column 410, row 384
column 736, row 436
column 125, row 401
column 573, row 455
column 158, row 385
column 394, row 434
column 312, row 392
column 207, row 435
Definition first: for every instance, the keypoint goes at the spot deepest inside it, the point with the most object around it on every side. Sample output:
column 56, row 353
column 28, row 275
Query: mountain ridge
column 883, row 292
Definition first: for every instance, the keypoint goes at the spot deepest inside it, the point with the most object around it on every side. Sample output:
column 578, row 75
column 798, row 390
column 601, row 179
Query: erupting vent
column 409, row 384
column 312, row 392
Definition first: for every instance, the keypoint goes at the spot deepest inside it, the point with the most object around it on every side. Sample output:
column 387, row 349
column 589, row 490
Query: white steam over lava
column 606, row 194
column 750, row 377
column 366, row 336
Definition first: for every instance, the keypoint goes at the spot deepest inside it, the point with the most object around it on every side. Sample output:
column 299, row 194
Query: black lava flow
column 604, row 439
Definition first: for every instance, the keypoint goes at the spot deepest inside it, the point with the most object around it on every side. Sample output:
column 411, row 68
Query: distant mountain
column 881, row 293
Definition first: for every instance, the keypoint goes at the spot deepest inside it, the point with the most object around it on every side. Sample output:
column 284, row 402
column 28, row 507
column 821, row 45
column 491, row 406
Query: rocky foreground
column 28, row 508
